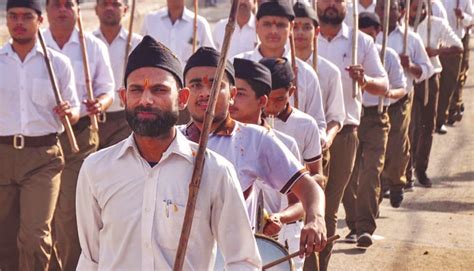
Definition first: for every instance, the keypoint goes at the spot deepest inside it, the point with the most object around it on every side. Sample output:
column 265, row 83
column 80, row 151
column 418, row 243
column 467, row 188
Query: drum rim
column 259, row 235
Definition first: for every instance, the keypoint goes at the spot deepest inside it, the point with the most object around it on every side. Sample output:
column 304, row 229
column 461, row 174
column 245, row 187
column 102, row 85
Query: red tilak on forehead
column 206, row 81
column 274, row 22
column 298, row 24
column 146, row 83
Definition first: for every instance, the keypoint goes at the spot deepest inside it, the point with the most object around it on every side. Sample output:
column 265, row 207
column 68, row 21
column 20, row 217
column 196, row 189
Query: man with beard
column 131, row 197
column 274, row 25
column 335, row 44
column 63, row 36
column 173, row 26
column 31, row 159
column 114, row 35
column 363, row 6
column 254, row 150
column 306, row 24
column 244, row 37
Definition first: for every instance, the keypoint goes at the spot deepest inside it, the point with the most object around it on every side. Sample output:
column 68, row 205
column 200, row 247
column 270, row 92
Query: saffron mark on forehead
column 146, row 83
column 206, row 81
column 298, row 24
column 274, row 22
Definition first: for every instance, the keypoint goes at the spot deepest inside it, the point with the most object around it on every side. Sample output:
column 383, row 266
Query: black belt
column 20, row 141
column 400, row 102
column 374, row 110
column 83, row 123
column 350, row 128
column 300, row 220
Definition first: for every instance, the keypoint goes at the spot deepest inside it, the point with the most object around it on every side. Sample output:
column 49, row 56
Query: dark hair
column 77, row 2
column 257, row 87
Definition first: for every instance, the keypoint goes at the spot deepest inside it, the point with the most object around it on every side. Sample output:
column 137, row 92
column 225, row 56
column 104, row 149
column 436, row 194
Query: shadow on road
column 349, row 251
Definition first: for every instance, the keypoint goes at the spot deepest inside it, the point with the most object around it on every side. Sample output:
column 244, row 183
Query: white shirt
column 331, row 90
column 309, row 91
column 441, row 36
column 130, row 215
column 26, row 94
column 99, row 64
column 339, row 52
column 178, row 36
column 243, row 39
column 438, row 10
column 415, row 50
column 117, row 59
column 349, row 19
column 304, row 129
column 396, row 77
column 466, row 7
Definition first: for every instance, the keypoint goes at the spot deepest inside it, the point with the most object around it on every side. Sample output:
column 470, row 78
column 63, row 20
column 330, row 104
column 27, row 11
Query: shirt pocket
column 43, row 94
column 80, row 79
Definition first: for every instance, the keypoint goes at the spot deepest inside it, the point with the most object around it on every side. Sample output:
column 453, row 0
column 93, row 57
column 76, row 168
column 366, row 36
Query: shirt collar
column 179, row 146
column 285, row 114
column 48, row 35
column 123, row 34
column 7, row 49
column 225, row 129
column 187, row 14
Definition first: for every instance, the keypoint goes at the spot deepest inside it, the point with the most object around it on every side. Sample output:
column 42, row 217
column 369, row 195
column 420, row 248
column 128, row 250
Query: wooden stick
column 128, row 46
column 428, row 42
column 87, row 74
column 355, row 43
column 295, row 69
column 195, row 28
column 418, row 16
column 386, row 17
column 294, row 254
column 57, row 94
column 315, row 43
column 208, row 119
column 407, row 22
column 458, row 20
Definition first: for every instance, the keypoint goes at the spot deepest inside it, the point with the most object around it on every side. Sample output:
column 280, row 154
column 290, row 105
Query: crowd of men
column 308, row 116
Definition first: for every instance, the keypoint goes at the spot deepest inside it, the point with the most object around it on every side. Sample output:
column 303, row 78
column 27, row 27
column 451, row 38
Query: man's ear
column 291, row 91
column 233, row 92
column 262, row 101
column 123, row 95
column 183, row 96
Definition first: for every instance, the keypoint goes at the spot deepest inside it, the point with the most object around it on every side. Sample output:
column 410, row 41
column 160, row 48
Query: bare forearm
column 396, row 93
column 311, row 196
column 375, row 86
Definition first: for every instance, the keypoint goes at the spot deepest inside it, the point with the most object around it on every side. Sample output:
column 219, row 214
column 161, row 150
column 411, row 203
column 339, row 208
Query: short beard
column 159, row 127
column 22, row 41
column 336, row 20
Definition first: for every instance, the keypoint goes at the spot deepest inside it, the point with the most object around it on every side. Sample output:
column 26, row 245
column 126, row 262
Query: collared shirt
column 99, row 65
column 396, row 77
column 466, row 7
column 441, row 36
column 309, row 91
column 339, row 52
column 331, row 90
column 130, row 214
column 117, row 59
column 178, row 36
column 26, row 94
column 243, row 39
column 438, row 10
column 415, row 50
column 304, row 129
column 349, row 19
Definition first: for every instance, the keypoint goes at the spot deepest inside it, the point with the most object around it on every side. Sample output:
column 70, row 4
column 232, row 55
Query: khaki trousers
column 343, row 151
column 456, row 101
column 448, row 82
column 397, row 154
column 66, row 241
column 29, row 188
column 361, row 197
column 113, row 130
column 423, row 124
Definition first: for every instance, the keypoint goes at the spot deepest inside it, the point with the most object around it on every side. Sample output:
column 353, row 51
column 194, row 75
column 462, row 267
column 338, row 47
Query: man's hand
column 459, row 13
column 63, row 109
column 273, row 225
column 432, row 52
column 313, row 237
column 405, row 61
column 357, row 73
column 94, row 107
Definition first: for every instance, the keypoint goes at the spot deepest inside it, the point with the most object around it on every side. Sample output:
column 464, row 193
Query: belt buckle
column 18, row 142
column 102, row 117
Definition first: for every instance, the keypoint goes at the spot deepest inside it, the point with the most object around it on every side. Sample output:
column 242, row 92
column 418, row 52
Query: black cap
column 150, row 53
column 303, row 10
column 282, row 73
column 33, row 4
column 281, row 8
column 250, row 70
column 368, row 19
column 209, row 57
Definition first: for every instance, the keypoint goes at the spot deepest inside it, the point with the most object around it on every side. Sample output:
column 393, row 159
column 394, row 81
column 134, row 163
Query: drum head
column 270, row 250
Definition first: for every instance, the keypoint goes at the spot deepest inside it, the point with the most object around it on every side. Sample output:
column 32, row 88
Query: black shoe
column 351, row 237
column 441, row 130
column 409, row 186
column 396, row 198
column 364, row 240
column 423, row 179
column 386, row 194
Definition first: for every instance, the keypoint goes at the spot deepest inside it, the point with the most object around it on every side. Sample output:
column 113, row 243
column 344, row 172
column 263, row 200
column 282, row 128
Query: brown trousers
column 343, row 151
column 423, row 124
column 113, row 130
column 456, row 101
column 29, row 188
column 397, row 154
column 448, row 82
column 361, row 198
column 66, row 241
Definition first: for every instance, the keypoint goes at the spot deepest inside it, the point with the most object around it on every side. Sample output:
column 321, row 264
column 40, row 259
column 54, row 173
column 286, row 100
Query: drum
column 270, row 250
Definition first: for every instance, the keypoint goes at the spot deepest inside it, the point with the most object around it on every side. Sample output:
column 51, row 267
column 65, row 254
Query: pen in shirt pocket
column 170, row 203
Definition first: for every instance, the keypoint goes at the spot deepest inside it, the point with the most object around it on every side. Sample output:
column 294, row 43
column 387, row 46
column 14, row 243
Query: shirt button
column 147, row 209
column 147, row 245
